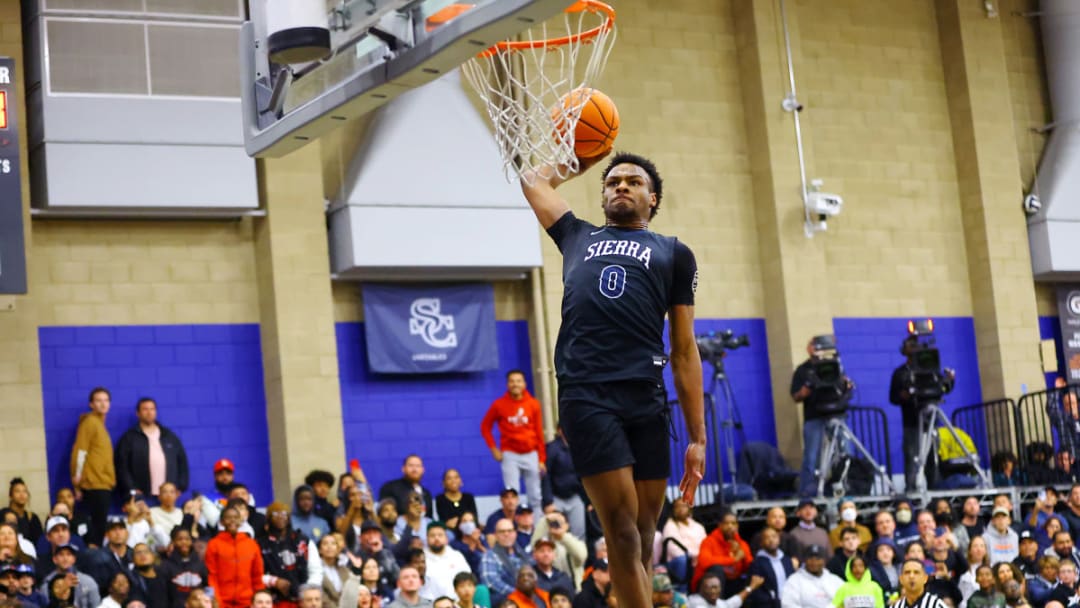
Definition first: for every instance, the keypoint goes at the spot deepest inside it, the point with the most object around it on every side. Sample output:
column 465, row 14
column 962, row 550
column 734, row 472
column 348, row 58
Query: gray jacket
column 86, row 595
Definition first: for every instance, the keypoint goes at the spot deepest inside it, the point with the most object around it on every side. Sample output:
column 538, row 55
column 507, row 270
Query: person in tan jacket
column 92, row 472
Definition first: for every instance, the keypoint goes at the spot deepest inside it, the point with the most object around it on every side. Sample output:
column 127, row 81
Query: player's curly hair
column 648, row 166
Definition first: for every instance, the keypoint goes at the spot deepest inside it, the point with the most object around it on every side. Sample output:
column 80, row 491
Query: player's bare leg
column 650, row 493
column 614, row 496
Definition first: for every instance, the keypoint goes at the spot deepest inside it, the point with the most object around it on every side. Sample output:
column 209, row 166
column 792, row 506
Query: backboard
column 380, row 49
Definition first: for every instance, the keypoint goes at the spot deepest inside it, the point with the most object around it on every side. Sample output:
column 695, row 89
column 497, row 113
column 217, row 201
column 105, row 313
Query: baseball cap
column 24, row 570
column 8, row 568
column 804, row 502
column 224, row 463
column 600, row 564
column 507, row 491
column 544, row 541
column 941, row 531
column 523, row 509
column 1000, row 511
column 1027, row 535
column 814, row 551
column 56, row 520
column 368, row 526
column 115, row 522
column 661, row 583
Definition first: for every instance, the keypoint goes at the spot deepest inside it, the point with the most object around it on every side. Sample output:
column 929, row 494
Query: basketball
column 597, row 127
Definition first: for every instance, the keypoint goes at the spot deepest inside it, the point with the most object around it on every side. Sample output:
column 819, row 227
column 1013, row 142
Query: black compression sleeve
column 686, row 276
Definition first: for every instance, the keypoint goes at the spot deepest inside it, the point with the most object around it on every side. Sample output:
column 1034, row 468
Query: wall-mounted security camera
column 819, row 207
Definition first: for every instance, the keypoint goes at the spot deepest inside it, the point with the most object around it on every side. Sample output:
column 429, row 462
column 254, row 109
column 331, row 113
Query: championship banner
column 1068, row 297
column 418, row 329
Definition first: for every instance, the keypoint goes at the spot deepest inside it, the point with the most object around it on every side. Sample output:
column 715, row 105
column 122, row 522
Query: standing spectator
column 521, row 448
column 408, row 591
column 526, row 594
column 183, row 567
column 772, row 567
column 682, row 528
column 726, row 550
column 499, row 566
column 776, row 519
column 284, row 556
column 149, row 454
column 562, row 486
column 114, row 556
column 19, row 504
column 166, row 515
column 860, row 589
column 92, row 472
column 849, row 548
column 84, row 588
column 548, row 576
column 234, row 563
column 453, row 503
column 808, row 533
column 913, row 593
column 321, row 482
column 335, row 575
column 412, row 472
column 304, row 518
column 811, row 586
column 1001, row 541
column 848, row 516
column 443, row 562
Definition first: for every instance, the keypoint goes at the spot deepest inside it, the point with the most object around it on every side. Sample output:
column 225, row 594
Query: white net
column 526, row 86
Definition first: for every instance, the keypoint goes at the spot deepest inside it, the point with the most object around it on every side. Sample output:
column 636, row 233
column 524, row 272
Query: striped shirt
column 926, row 600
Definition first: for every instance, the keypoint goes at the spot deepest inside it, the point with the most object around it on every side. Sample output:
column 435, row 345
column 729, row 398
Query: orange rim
column 592, row 6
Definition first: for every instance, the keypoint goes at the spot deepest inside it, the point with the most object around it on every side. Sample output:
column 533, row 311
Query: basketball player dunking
column 619, row 281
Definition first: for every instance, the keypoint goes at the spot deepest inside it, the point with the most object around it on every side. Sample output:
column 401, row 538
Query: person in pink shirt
column 682, row 527
column 149, row 454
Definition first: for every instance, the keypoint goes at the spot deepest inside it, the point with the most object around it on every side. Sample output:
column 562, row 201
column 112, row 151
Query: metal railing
column 871, row 426
column 1042, row 418
column 991, row 426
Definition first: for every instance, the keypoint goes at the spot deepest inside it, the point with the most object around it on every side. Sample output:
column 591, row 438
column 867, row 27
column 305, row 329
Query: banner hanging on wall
column 427, row 329
column 1068, row 297
column 12, row 244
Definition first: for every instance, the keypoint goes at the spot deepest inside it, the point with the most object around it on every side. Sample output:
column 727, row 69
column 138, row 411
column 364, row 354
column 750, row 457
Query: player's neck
column 632, row 225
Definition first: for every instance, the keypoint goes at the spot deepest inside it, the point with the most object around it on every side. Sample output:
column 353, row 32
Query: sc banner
column 428, row 329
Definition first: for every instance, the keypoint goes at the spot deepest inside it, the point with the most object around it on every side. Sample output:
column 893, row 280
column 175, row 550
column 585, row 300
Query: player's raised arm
column 539, row 188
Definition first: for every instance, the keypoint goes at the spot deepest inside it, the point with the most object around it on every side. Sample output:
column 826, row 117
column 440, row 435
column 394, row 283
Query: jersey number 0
column 613, row 281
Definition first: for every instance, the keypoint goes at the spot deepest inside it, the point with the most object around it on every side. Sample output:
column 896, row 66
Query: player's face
column 627, row 194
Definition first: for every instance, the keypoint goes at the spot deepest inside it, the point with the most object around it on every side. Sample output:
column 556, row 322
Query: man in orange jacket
column 726, row 550
column 521, row 437
column 234, row 563
column 526, row 594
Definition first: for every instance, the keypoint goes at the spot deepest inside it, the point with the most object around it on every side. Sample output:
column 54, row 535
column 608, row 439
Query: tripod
column 837, row 435
column 930, row 417
column 727, row 411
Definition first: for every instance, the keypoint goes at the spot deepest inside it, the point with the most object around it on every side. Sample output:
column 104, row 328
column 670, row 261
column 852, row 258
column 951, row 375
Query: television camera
column 927, row 381
column 713, row 345
column 826, row 378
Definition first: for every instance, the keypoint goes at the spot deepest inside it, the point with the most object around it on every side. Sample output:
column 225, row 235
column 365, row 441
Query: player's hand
column 584, row 164
column 693, row 473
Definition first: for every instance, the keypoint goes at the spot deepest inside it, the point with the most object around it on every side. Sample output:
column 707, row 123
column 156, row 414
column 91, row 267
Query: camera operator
column 912, row 387
column 822, row 399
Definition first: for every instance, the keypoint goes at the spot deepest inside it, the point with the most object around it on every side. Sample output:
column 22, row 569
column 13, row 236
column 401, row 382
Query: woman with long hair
column 10, row 549
column 60, row 593
column 19, row 503
column 977, row 555
column 335, row 575
column 371, row 576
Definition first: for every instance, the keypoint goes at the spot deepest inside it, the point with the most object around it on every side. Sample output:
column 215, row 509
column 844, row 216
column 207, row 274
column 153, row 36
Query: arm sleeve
column 211, row 560
column 122, row 460
column 82, row 444
column 896, row 386
column 686, row 276
column 486, row 426
column 564, row 228
column 798, row 379
column 314, row 567
column 257, row 569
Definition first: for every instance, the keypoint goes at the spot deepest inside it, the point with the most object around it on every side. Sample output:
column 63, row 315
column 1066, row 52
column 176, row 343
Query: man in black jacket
column 412, row 471
column 149, row 454
column 284, row 555
column 767, row 565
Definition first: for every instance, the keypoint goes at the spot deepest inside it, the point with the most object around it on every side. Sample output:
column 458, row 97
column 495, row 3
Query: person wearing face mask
column 469, row 541
column 907, row 531
column 848, row 515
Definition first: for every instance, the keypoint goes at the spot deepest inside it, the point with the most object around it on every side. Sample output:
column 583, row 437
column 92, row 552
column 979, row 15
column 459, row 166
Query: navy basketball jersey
column 618, row 285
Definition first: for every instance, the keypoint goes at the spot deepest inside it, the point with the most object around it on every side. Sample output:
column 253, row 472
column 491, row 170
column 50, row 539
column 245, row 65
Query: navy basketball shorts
column 611, row 425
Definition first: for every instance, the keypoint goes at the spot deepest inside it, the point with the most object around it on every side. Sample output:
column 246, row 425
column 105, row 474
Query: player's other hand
column 694, row 472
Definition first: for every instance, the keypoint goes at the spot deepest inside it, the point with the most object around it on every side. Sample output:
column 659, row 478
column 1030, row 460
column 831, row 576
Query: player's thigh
column 594, row 430
column 648, row 429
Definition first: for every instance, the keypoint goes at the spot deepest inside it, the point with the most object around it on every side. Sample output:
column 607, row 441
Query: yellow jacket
column 98, row 472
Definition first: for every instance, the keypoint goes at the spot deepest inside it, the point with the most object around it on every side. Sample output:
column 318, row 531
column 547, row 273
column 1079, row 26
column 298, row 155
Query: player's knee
column 624, row 535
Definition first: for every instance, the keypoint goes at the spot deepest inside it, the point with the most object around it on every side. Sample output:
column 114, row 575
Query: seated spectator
column 595, row 587
column 167, row 515
column 234, row 563
column 811, row 586
column 711, row 589
column 84, row 590
column 941, row 551
column 1043, row 583
column 469, row 541
column 976, row 556
column 452, row 503
column 548, row 576
column 1045, row 535
column 19, row 503
column 116, row 556
column 570, row 551
column 465, row 588
column 414, row 519
column 61, row 594
column 321, row 482
column 11, row 550
column 1006, row 472
column 415, row 557
column 200, row 598
column 915, row 552
column 807, row 532
column 335, row 575
column 907, row 531
column 884, row 565
column 526, row 594
column 1014, row 595
column 1063, row 467
column 560, row 598
column 859, row 588
column 499, row 566
column 508, row 499
column 525, row 524
column 987, row 594
column 284, row 555
column 927, row 528
column 372, row 577
column 183, row 567
column 1001, row 541
column 770, row 570
column 944, row 518
column 1029, row 552
column 726, row 551
column 240, row 492
column 776, row 519
column 358, row 510
column 942, row 584
column 408, row 591
column 442, row 561
column 848, row 515
column 971, row 520
column 1005, row 572
column 141, row 527
column 885, row 525
column 412, row 474
column 57, row 534
column 849, row 548
column 24, row 587
column 147, row 583
column 1039, row 461
column 80, row 522
column 371, row 546
column 562, row 487
column 689, row 533
column 664, row 594
column 1066, row 587
column 387, row 519
column 241, row 506
column 1063, row 549
column 304, row 517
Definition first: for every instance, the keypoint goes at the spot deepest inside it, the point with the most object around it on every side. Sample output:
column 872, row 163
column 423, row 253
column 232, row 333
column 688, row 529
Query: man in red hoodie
column 726, row 551
column 521, row 436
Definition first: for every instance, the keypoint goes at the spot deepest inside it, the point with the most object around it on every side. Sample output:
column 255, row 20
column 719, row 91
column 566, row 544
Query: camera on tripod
column 826, row 376
column 713, row 345
column 927, row 381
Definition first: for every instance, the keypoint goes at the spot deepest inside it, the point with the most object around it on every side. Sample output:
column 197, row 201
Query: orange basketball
column 598, row 126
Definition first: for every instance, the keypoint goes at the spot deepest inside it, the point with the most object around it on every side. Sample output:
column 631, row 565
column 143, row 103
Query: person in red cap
column 521, row 437
column 223, row 481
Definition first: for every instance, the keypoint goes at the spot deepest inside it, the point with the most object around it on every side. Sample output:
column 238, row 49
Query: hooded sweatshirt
column 859, row 593
column 521, row 429
column 98, row 472
column 1001, row 547
column 312, row 526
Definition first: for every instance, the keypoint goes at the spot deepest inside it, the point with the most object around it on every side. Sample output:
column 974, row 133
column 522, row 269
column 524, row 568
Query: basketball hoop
column 524, row 84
